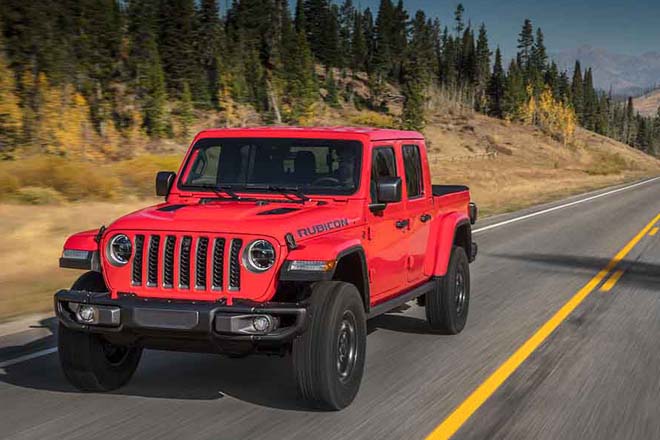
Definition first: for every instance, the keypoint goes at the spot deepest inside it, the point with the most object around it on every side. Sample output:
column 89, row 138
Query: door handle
column 400, row 224
column 425, row 217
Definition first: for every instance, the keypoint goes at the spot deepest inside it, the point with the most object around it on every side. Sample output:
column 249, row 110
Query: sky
column 628, row 27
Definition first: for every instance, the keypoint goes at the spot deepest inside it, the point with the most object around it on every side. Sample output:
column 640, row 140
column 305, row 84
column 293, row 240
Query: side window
column 383, row 164
column 412, row 163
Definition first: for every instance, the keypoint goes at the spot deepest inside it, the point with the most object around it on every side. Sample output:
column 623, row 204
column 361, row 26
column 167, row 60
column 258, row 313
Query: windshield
column 311, row 166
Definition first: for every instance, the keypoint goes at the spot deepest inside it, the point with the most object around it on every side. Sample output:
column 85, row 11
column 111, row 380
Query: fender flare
column 444, row 241
column 313, row 276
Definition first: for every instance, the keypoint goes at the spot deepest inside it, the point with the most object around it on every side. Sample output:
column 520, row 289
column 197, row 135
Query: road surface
column 593, row 374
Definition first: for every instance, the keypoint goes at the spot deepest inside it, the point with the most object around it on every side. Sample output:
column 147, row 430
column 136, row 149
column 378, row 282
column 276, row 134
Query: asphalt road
column 596, row 376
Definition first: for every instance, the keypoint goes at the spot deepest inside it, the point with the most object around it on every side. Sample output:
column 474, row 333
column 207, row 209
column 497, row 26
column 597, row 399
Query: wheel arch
column 454, row 230
column 352, row 268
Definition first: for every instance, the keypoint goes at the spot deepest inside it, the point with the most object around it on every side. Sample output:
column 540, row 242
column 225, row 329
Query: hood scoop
column 171, row 208
column 278, row 211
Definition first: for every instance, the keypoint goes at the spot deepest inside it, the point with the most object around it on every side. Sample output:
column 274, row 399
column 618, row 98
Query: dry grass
column 31, row 246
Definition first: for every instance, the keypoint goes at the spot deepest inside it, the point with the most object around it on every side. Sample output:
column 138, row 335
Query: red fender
column 326, row 247
column 83, row 241
column 441, row 242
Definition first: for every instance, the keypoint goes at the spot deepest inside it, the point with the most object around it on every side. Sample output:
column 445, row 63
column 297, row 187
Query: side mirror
column 388, row 190
column 164, row 181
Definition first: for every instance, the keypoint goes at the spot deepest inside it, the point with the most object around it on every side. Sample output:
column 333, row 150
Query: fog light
column 86, row 313
column 262, row 324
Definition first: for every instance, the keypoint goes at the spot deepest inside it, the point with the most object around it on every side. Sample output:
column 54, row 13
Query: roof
column 279, row 131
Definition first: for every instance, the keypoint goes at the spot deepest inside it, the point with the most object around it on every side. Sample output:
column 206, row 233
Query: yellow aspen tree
column 11, row 118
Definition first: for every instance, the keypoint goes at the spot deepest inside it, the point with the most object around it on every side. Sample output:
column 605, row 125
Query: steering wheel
column 326, row 181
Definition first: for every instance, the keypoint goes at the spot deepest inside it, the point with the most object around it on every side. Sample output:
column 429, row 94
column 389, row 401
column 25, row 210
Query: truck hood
column 273, row 219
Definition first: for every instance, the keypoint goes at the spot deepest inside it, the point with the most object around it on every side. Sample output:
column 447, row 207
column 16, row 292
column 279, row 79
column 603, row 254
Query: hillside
column 648, row 104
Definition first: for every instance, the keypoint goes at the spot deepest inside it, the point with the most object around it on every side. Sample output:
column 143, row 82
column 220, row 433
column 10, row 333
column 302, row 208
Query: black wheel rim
column 114, row 354
column 346, row 346
column 461, row 292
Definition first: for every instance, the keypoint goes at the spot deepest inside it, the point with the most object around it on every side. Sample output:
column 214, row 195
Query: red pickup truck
column 275, row 241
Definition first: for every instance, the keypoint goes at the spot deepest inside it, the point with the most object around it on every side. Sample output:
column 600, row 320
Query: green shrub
column 373, row 119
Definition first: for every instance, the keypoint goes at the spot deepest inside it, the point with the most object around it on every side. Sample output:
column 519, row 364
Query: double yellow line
column 470, row 405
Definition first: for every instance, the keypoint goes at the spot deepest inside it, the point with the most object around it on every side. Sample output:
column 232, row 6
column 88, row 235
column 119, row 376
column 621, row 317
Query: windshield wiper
column 219, row 189
column 286, row 190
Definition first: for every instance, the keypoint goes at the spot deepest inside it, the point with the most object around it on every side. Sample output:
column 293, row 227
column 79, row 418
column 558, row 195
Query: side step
column 393, row 303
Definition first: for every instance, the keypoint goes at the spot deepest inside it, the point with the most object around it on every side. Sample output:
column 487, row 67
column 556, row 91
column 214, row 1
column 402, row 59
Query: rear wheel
column 90, row 362
column 329, row 357
column 447, row 304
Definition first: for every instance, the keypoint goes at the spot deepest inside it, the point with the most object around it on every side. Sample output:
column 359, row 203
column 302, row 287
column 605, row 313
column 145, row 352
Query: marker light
column 312, row 265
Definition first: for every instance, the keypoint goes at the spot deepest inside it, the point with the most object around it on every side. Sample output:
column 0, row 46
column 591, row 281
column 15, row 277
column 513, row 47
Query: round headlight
column 259, row 256
column 120, row 249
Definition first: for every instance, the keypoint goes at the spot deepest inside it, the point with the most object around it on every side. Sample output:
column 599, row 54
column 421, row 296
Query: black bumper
column 182, row 325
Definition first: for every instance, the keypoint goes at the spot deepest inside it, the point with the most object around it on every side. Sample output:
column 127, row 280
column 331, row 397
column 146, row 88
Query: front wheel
column 329, row 357
column 447, row 304
column 90, row 362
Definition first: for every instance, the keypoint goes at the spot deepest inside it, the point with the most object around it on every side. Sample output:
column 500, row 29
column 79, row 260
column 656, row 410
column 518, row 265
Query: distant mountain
column 624, row 74
column 648, row 104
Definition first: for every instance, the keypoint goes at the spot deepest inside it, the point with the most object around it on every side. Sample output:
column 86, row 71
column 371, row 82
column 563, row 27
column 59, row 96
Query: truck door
column 418, row 207
column 387, row 248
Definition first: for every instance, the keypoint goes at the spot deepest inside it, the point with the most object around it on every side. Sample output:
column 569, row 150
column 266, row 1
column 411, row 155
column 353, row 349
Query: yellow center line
column 654, row 231
column 472, row 403
column 611, row 281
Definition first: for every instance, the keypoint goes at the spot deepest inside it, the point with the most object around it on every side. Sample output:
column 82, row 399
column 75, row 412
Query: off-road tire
column 88, row 361
column 447, row 304
column 327, row 375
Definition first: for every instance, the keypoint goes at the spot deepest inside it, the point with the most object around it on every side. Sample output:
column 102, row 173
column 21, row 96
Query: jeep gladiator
column 275, row 241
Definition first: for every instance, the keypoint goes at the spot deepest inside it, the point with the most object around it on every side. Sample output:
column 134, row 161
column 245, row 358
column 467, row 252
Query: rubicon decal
column 322, row 227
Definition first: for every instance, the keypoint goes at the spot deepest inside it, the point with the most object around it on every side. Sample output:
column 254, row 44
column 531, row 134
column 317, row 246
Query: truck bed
column 443, row 190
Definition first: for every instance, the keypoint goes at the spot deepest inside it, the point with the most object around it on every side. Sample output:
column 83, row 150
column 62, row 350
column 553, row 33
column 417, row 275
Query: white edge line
column 51, row 350
column 565, row 205
column 27, row 357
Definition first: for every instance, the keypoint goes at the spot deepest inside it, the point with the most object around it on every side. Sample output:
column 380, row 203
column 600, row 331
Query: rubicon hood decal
column 322, row 227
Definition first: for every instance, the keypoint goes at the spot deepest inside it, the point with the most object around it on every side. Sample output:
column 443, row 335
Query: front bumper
column 181, row 325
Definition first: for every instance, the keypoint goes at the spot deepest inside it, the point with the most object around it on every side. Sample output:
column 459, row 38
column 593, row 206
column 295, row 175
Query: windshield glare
column 313, row 166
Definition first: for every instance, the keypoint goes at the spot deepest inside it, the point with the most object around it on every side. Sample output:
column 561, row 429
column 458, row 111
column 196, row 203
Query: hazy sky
column 631, row 27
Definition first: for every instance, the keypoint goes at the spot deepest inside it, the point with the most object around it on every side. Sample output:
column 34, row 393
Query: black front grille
column 137, row 260
column 235, row 265
column 168, row 262
column 218, row 263
column 184, row 263
column 152, row 269
column 200, row 263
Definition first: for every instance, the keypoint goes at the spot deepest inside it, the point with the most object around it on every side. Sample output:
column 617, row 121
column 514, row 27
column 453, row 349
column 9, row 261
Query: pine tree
column 347, row 30
column 515, row 94
column 185, row 110
column 590, row 104
column 538, row 62
column 416, row 74
column 359, row 47
column 208, row 45
column 459, row 26
column 525, row 44
column 382, row 56
column 496, row 87
column 577, row 92
column 11, row 118
column 153, row 93
column 483, row 75
column 176, row 45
